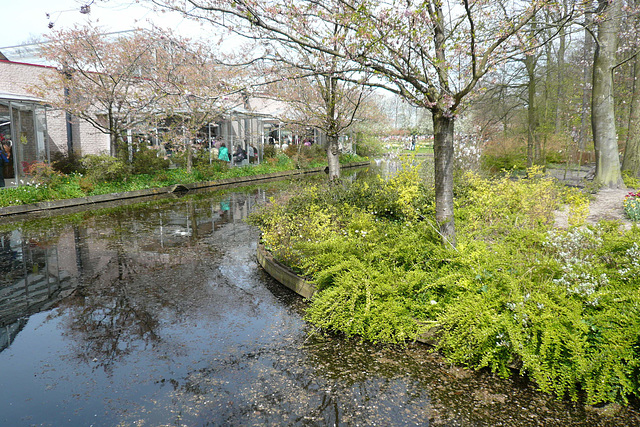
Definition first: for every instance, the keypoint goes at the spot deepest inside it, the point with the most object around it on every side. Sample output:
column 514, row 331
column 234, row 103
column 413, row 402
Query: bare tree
column 320, row 92
column 193, row 89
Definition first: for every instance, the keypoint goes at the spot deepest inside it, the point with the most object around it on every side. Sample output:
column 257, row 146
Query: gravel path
column 607, row 205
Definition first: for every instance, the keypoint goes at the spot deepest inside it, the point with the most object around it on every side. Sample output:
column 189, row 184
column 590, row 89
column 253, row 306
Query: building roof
column 8, row 96
column 27, row 53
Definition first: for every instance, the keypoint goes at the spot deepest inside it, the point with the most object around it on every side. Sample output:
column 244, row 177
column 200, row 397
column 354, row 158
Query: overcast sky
column 26, row 19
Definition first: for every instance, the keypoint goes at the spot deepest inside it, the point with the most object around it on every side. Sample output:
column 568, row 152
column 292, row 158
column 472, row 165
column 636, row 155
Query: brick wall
column 19, row 79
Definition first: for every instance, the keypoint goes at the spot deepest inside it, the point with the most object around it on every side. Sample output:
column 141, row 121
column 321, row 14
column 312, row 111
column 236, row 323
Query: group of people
column 239, row 155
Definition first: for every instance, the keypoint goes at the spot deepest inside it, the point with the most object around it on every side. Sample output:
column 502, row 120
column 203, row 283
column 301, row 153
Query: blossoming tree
column 432, row 53
column 133, row 80
column 101, row 77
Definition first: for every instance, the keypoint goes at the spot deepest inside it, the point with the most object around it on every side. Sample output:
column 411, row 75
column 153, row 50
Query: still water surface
column 158, row 314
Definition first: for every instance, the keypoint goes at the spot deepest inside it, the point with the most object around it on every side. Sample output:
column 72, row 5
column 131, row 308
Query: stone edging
column 177, row 188
column 283, row 275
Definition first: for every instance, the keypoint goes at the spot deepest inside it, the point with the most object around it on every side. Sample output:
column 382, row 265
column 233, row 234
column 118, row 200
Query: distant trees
column 575, row 86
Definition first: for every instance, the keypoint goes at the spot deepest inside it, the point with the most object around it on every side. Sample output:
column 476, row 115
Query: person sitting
column 239, row 155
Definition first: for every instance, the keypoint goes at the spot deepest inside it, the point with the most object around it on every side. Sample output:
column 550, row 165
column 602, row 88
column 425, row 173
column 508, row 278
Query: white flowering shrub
column 467, row 150
column 575, row 250
column 631, row 269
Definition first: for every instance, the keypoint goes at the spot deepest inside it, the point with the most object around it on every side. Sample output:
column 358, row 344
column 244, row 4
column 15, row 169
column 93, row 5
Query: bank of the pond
column 152, row 192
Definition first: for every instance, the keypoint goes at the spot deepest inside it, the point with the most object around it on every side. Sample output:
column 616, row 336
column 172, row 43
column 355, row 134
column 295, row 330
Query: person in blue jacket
column 4, row 159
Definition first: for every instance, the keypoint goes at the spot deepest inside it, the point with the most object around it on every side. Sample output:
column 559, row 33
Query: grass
column 419, row 150
column 55, row 186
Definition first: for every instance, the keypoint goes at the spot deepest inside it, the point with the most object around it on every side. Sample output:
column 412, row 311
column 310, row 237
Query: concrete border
column 154, row 192
column 283, row 275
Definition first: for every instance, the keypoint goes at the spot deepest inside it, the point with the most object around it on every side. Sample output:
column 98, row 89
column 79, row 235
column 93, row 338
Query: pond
column 158, row 314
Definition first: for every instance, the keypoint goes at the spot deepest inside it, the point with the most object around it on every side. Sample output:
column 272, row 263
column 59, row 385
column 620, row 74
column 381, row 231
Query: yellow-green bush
column 560, row 305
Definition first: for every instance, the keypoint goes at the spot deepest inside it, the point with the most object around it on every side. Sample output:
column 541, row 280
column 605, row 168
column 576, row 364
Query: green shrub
column 561, row 305
column 67, row 163
column 211, row 171
column 282, row 159
column 315, row 151
column 86, row 184
column 146, row 161
column 505, row 161
column 368, row 145
column 269, row 151
column 555, row 156
column 629, row 180
column 202, row 158
column 349, row 158
column 42, row 173
column 102, row 167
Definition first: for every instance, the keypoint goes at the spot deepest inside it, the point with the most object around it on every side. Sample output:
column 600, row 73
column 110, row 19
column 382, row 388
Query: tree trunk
column 333, row 157
column 586, row 87
column 631, row 161
column 113, row 135
column 532, row 153
column 602, row 105
column 561, row 89
column 443, row 157
column 189, row 153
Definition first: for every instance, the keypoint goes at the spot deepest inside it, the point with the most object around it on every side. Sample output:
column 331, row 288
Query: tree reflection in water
column 132, row 282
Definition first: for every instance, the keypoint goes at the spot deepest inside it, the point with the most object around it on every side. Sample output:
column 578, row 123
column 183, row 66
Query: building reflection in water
column 95, row 267
column 31, row 281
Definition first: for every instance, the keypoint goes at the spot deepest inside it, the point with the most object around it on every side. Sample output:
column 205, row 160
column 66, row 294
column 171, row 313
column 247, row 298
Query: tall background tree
column 603, row 118
column 631, row 160
column 432, row 53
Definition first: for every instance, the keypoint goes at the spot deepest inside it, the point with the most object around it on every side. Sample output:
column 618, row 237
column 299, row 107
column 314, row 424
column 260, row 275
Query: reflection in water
column 31, row 281
column 159, row 314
